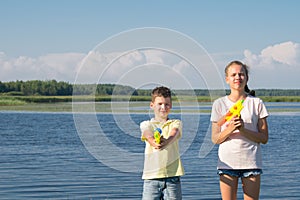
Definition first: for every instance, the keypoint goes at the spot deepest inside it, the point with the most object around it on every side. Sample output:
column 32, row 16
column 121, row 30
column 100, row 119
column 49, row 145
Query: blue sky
column 49, row 39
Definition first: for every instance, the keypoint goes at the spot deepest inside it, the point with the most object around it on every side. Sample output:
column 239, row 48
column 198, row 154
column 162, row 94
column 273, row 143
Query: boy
column 162, row 164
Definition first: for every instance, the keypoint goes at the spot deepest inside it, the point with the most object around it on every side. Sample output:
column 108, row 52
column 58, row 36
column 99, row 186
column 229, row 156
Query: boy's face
column 161, row 107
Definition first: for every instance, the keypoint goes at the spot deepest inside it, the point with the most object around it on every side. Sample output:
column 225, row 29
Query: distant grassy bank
column 18, row 100
column 9, row 100
column 106, row 103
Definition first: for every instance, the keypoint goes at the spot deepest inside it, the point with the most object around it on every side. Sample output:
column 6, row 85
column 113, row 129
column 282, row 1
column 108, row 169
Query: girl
column 239, row 139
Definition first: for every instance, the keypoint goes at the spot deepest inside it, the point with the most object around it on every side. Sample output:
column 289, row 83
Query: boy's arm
column 175, row 132
column 149, row 137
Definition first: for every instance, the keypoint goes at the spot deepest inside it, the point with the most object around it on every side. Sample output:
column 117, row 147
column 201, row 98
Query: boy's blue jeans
column 163, row 188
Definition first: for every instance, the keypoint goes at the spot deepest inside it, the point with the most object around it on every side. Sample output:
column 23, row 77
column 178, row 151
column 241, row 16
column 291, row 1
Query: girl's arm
column 219, row 136
column 261, row 136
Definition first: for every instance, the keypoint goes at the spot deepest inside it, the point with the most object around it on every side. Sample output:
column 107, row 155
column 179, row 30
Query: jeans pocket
column 175, row 180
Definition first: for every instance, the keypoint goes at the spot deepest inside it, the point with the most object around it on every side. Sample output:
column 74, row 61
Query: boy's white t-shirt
column 238, row 152
column 166, row 162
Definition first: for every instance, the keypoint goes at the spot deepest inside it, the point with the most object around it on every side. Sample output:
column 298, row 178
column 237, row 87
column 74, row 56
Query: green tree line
column 61, row 88
column 36, row 87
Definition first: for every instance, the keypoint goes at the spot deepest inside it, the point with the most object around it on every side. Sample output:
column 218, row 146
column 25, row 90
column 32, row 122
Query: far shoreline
column 134, row 107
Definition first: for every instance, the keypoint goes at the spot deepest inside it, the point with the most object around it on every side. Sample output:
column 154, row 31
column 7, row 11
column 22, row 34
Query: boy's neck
column 161, row 119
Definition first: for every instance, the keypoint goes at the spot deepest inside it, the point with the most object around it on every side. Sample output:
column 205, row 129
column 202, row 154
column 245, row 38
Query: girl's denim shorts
column 243, row 173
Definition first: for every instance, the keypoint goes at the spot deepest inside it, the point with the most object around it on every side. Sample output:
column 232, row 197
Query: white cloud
column 61, row 67
column 111, row 68
column 152, row 66
column 277, row 66
column 285, row 54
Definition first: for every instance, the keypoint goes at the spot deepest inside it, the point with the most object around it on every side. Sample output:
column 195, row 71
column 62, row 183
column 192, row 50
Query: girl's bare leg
column 251, row 187
column 228, row 186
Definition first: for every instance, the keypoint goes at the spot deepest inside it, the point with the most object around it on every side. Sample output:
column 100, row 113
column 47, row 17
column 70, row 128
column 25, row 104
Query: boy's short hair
column 160, row 91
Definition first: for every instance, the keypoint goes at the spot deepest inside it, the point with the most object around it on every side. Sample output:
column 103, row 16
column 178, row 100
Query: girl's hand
column 235, row 123
column 239, row 123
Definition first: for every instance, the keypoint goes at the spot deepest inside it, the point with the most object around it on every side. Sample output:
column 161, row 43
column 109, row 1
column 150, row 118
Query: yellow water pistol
column 157, row 135
column 235, row 110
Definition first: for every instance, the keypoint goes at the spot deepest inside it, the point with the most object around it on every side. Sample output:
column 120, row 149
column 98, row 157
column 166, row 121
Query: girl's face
column 161, row 107
column 236, row 77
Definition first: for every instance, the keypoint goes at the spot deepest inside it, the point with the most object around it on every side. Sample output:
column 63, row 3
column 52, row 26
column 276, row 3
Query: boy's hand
column 164, row 142
column 152, row 142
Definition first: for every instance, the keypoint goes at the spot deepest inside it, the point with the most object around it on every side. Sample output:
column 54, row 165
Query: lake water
column 54, row 156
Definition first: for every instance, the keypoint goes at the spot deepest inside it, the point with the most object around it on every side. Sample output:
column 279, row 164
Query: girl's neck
column 236, row 96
